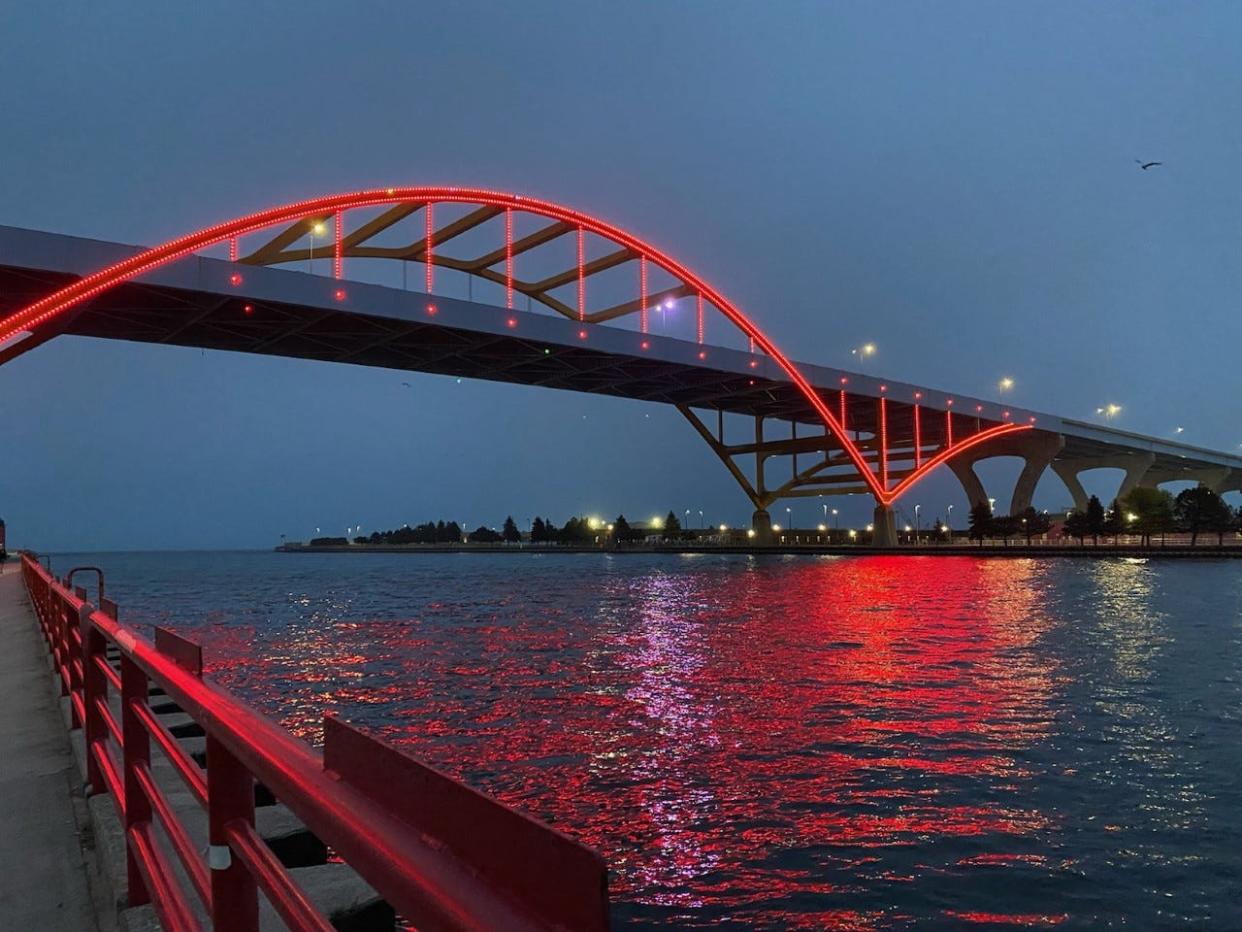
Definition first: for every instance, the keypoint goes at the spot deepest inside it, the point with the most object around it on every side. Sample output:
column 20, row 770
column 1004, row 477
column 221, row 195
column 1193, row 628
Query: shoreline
column 1103, row 551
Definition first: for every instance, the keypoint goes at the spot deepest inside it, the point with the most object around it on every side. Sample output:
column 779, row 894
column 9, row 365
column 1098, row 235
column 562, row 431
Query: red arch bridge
column 564, row 300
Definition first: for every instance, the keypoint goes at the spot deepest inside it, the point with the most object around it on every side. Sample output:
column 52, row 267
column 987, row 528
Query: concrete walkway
column 44, row 881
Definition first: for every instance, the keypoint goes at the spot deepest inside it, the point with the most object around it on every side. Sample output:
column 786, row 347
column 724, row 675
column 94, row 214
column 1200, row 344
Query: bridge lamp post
column 916, row 523
column 1004, row 385
column 789, row 518
column 864, row 352
column 949, row 522
column 318, row 228
column 1109, row 411
column 836, row 519
column 702, row 524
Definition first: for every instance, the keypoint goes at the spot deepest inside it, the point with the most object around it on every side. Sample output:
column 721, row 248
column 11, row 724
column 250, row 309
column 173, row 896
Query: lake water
column 789, row 742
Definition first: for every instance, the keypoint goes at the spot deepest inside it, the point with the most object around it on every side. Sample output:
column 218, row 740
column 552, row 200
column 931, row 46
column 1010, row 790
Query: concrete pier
column 44, row 830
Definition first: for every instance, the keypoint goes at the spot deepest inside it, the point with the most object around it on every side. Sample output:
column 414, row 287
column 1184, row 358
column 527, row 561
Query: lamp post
column 916, row 524
column 949, row 524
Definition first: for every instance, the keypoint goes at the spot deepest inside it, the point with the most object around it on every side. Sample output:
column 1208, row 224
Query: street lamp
column 318, row 228
column 992, row 504
column 789, row 518
column 1004, row 385
column 836, row 519
column 1109, row 411
column 863, row 352
column 916, row 523
column 702, row 523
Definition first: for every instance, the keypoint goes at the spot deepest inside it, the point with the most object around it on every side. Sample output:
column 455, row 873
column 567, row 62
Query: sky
column 955, row 182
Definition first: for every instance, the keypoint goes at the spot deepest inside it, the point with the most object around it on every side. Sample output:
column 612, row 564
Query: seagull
column 1146, row 165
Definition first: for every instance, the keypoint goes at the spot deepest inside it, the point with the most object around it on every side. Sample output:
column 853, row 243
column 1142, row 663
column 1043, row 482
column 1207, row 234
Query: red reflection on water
column 734, row 739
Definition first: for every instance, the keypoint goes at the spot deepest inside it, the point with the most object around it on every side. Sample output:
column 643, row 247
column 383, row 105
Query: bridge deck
column 209, row 303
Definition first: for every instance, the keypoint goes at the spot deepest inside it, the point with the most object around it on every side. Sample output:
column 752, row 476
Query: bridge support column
column 761, row 524
column 1039, row 452
column 1135, row 471
column 885, row 524
column 1068, row 473
column 1213, row 479
column 976, row 494
column 1136, row 466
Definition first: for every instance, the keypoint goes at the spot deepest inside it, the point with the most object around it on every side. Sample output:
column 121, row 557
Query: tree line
column 577, row 530
column 1144, row 512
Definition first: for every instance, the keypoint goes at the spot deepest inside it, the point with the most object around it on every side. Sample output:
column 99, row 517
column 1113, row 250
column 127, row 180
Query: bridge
column 573, row 302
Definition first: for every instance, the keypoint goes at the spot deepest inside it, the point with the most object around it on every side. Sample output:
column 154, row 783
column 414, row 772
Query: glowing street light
column 657, row 523
column 870, row 528
column 866, row 351
column 822, row 527
column 776, row 528
column 750, row 532
column 1179, row 430
column 723, row 528
column 1109, row 411
column 1005, row 384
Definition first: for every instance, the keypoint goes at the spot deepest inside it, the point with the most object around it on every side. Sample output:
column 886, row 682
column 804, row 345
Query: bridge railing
column 443, row 855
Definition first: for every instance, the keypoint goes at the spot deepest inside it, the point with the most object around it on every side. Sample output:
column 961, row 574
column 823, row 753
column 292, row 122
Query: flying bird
column 1146, row 165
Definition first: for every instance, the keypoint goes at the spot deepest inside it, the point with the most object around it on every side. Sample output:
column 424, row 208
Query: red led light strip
column 232, row 248
column 842, row 409
column 85, row 288
column 509, row 258
column 948, row 429
column 427, row 256
column 642, row 293
column 918, row 439
column 883, row 442
column 946, row 454
column 339, row 235
column 699, row 312
column 581, row 276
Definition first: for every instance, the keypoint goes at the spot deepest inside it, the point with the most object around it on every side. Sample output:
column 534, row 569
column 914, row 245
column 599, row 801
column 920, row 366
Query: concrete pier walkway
column 45, row 881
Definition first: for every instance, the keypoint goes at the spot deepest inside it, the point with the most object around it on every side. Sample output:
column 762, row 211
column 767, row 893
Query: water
column 793, row 742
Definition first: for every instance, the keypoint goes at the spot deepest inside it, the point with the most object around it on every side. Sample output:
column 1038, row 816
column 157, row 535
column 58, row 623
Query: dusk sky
column 955, row 182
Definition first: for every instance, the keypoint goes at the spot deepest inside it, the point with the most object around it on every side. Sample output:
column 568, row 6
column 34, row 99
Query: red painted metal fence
column 442, row 854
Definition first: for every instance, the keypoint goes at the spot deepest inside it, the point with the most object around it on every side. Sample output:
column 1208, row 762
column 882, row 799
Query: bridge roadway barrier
column 235, row 824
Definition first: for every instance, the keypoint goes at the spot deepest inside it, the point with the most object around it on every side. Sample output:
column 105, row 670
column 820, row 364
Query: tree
column 484, row 535
column 1077, row 524
column 1200, row 509
column 510, row 531
column 1033, row 523
column 938, row 530
column 1095, row 519
column 672, row 527
column 622, row 531
column 1006, row 527
column 1237, row 523
column 982, row 524
column 1114, row 523
column 1147, row 512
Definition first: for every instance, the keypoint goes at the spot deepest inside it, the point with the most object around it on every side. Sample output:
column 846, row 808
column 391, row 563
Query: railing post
column 62, row 649
column 94, row 687
column 73, row 651
column 230, row 796
column 136, row 755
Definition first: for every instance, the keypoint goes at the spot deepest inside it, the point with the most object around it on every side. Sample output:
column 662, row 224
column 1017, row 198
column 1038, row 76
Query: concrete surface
column 45, row 883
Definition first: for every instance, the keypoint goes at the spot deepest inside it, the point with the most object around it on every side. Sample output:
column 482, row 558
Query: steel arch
column 332, row 206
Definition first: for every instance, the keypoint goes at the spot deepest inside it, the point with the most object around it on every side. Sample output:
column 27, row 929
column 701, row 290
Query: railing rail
column 443, row 855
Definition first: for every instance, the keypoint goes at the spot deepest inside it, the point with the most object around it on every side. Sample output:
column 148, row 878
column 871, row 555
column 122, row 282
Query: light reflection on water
column 871, row 742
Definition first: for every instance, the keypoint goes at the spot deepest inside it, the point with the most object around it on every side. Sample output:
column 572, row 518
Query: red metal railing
column 443, row 855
